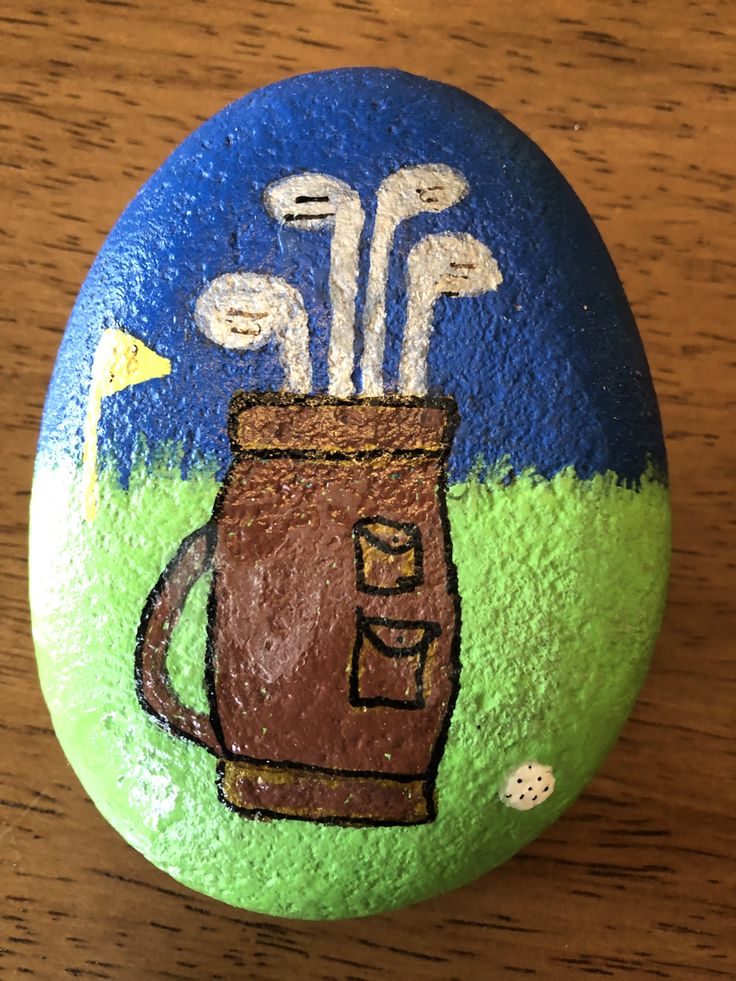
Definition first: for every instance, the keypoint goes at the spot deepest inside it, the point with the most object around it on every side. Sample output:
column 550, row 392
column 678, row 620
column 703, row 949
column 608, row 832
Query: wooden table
column 633, row 101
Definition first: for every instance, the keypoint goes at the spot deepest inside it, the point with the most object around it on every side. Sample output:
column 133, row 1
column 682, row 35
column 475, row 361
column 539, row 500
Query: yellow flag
column 120, row 361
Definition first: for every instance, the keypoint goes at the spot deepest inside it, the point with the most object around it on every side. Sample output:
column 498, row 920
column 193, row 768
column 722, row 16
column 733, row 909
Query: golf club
column 447, row 264
column 404, row 194
column 244, row 310
column 315, row 202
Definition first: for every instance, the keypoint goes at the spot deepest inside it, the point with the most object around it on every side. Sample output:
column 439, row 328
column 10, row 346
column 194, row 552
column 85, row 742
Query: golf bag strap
column 161, row 614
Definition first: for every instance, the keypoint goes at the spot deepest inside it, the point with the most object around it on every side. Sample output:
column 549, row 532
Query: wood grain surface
column 634, row 101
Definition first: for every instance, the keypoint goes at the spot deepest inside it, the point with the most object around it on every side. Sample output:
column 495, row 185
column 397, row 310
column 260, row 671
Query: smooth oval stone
column 350, row 526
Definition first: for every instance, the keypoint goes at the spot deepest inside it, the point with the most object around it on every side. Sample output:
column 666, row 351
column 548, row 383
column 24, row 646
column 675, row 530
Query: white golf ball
column 528, row 786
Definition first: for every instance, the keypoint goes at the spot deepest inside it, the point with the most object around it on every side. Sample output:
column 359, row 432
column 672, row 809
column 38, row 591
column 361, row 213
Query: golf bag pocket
column 388, row 556
column 389, row 660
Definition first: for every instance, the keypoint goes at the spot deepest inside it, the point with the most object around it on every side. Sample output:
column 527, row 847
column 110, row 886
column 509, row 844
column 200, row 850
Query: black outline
column 404, row 584
column 242, row 400
column 278, row 454
column 432, row 631
column 296, row 217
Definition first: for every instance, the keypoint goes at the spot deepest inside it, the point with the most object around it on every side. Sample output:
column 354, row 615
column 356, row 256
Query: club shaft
column 415, row 346
column 374, row 314
column 295, row 357
column 344, row 255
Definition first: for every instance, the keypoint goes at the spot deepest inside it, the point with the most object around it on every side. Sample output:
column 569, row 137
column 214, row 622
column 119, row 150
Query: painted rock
column 350, row 526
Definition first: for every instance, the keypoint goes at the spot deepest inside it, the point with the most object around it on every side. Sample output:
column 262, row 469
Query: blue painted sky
column 548, row 371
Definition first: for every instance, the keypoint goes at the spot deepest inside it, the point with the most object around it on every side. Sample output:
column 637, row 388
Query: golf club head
column 307, row 201
column 423, row 188
column 242, row 310
column 452, row 264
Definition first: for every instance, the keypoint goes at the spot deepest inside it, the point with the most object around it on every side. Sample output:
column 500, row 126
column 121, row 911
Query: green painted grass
column 562, row 583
